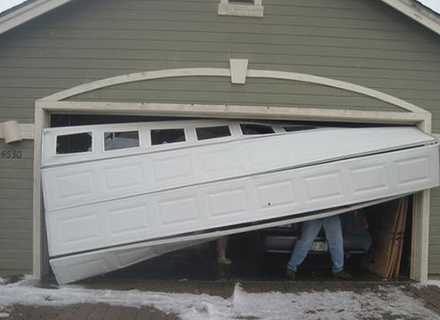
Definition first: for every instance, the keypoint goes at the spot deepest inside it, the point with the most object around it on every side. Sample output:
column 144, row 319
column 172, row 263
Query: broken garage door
column 153, row 185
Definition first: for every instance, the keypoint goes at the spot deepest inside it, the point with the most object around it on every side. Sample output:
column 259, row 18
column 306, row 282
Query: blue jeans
column 309, row 231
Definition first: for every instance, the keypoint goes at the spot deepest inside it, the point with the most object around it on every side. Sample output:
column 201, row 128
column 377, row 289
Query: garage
column 60, row 120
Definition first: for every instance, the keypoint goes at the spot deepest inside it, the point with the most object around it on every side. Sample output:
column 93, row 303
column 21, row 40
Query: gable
column 34, row 8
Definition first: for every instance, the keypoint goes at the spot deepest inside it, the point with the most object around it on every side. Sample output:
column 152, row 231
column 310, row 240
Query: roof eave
column 417, row 12
column 28, row 12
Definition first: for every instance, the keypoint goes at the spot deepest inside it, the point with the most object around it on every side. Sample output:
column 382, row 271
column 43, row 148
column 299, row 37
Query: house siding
column 364, row 42
column 16, row 176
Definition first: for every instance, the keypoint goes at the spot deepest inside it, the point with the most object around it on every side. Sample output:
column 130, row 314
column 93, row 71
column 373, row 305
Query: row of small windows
column 82, row 142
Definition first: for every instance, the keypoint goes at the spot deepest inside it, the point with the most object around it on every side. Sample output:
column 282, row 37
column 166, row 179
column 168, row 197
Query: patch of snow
column 4, row 315
column 432, row 283
column 348, row 305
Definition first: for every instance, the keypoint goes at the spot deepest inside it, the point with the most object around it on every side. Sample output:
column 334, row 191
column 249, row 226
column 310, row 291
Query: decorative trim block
column 238, row 70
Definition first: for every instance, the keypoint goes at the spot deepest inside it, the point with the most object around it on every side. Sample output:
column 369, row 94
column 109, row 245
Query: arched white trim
column 141, row 76
column 218, row 72
column 336, row 84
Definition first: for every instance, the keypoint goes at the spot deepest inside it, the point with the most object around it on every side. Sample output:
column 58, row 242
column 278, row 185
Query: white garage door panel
column 71, row 185
column 77, row 267
column 84, row 265
column 236, row 201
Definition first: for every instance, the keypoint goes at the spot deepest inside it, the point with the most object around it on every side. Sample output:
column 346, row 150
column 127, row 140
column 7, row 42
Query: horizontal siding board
column 15, row 266
column 260, row 52
column 15, row 244
column 22, row 115
column 136, row 40
column 135, row 59
column 16, row 254
column 434, row 239
column 102, row 47
column 435, row 229
column 16, row 174
column 16, row 194
column 16, row 184
column 273, row 18
column 6, row 164
column 16, row 204
column 232, row 27
column 434, row 270
column 16, row 224
column 139, row 64
column 38, row 82
column 434, row 220
column 434, row 259
column 435, row 200
column 23, row 214
column 15, row 234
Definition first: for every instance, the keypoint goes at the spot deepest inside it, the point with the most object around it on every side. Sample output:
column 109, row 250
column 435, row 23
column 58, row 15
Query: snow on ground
column 385, row 301
column 432, row 283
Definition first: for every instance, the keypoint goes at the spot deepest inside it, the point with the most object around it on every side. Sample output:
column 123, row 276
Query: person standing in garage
column 309, row 231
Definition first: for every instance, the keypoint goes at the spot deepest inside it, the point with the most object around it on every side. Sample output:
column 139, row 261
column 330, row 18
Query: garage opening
column 263, row 254
column 382, row 250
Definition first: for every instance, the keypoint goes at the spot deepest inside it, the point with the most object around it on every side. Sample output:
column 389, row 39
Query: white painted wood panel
column 71, row 184
column 241, row 200
column 77, row 267
column 84, row 265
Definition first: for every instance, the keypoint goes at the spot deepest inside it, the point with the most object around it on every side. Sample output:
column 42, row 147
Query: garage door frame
column 411, row 115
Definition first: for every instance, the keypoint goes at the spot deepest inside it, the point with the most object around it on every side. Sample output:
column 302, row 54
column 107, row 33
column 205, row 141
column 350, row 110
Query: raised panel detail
column 324, row 186
column 280, row 193
column 412, row 170
column 74, row 184
column 369, row 178
column 126, row 220
column 172, row 168
column 119, row 177
column 79, row 228
column 176, row 211
column 218, row 161
column 231, row 202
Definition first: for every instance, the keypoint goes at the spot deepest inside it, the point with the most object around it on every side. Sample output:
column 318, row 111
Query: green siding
column 16, row 182
column 364, row 42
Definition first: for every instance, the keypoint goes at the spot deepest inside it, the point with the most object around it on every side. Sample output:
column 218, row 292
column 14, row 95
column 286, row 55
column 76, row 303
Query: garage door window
column 165, row 136
column 121, row 140
column 249, row 129
column 212, row 132
column 74, row 143
column 297, row 128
